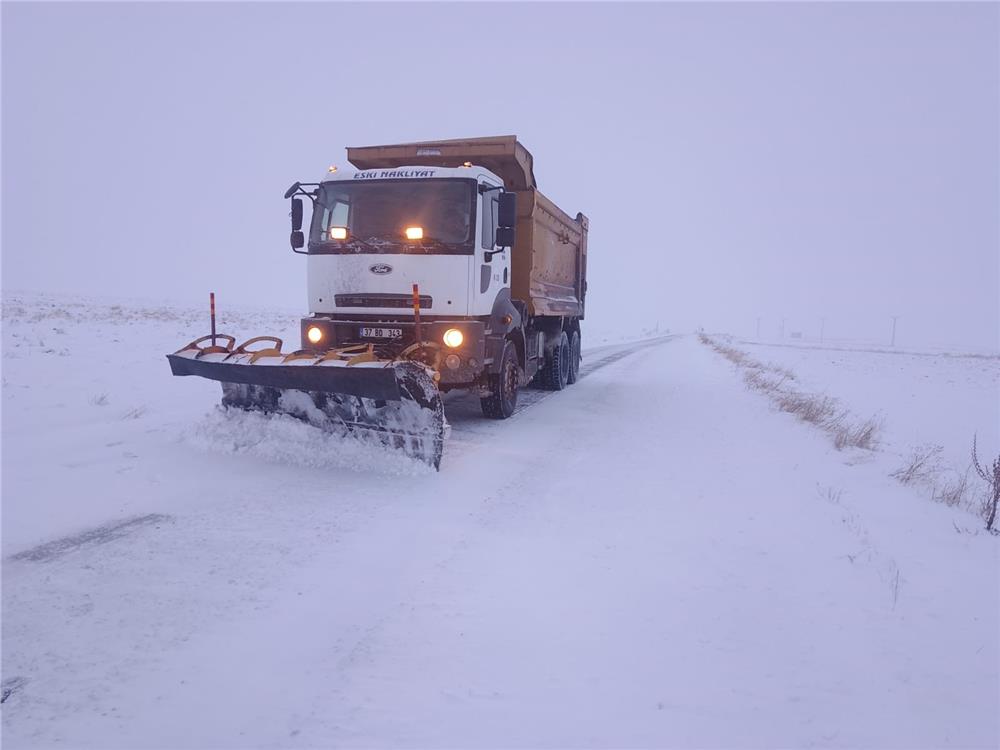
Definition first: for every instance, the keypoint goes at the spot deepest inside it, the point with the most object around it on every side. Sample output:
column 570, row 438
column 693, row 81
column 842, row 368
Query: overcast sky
column 797, row 161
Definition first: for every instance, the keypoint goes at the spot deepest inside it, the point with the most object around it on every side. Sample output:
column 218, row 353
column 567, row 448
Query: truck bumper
column 461, row 366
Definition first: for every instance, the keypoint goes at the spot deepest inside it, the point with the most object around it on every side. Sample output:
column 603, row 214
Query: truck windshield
column 377, row 214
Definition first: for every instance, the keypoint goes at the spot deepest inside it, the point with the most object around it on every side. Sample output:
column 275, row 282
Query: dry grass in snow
column 925, row 468
column 820, row 410
column 922, row 468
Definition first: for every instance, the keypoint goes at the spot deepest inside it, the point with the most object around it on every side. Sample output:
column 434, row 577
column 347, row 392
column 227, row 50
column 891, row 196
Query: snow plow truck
column 431, row 266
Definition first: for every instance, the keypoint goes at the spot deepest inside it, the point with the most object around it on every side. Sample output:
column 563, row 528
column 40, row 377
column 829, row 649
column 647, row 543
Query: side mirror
column 505, row 236
column 297, row 239
column 508, row 210
column 296, row 214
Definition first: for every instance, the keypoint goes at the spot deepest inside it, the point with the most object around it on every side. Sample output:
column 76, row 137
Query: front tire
column 500, row 404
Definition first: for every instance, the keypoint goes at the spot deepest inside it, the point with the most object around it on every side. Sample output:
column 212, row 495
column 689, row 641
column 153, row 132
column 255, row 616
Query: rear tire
column 501, row 403
column 574, row 358
column 556, row 371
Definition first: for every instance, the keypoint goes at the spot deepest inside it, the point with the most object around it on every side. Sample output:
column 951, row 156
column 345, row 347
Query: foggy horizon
column 827, row 165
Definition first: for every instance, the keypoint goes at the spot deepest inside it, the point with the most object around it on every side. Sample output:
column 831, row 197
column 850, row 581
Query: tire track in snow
column 92, row 537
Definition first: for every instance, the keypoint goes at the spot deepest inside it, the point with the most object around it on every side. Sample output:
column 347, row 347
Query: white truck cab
column 375, row 233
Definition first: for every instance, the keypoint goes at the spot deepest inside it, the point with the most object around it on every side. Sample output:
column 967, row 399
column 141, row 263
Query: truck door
column 493, row 275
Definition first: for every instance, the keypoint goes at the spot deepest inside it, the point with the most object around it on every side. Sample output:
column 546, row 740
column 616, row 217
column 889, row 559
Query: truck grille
column 377, row 299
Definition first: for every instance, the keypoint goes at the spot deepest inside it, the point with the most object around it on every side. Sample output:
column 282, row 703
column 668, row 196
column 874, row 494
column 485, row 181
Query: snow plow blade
column 393, row 402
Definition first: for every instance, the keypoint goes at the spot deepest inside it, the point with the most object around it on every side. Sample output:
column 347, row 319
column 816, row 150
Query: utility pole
column 822, row 329
column 894, row 317
column 758, row 329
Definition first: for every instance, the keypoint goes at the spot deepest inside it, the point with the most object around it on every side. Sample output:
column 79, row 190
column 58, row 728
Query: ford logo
column 380, row 268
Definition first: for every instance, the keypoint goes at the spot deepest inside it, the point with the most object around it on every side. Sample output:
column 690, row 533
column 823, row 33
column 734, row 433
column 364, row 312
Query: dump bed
column 549, row 260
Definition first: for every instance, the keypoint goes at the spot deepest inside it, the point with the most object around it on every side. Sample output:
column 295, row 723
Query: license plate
column 381, row 333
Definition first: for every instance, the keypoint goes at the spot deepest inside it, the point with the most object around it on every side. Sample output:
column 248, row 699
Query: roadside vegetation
column 990, row 475
column 825, row 412
column 923, row 467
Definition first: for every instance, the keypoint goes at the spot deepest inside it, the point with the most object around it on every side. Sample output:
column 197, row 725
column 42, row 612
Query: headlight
column 338, row 233
column 314, row 334
column 453, row 338
column 414, row 233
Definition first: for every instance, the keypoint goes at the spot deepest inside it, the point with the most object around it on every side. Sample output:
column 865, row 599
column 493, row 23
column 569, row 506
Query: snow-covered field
column 654, row 557
column 927, row 398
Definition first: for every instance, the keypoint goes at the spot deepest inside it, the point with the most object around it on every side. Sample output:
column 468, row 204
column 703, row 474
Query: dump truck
column 431, row 266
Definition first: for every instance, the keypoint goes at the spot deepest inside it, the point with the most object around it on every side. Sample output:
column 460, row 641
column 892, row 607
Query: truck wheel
column 501, row 403
column 556, row 370
column 574, row 358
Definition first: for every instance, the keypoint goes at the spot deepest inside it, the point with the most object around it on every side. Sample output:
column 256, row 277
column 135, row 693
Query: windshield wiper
column 435, row 242
column 366, row 243
column 381, row 242
column 353, row 241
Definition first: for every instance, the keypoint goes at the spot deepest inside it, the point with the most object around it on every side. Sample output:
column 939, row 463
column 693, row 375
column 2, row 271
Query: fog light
column 314, row 334
column 453, row 338
column 452, row 361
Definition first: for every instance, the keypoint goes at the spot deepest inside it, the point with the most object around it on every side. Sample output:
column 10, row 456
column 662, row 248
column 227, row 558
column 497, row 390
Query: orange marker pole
column 416, row 312
column 211, row 304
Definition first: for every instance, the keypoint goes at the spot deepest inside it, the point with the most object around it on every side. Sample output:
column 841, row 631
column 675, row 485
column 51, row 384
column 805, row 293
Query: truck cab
column 375, row 233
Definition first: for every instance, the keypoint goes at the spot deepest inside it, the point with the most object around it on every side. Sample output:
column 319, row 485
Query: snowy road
column 650, row 558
